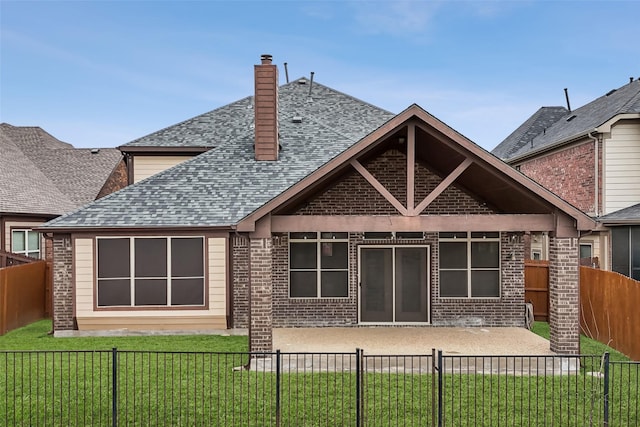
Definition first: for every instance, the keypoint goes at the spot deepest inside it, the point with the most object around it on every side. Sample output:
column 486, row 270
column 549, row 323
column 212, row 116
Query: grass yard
column 191, row 380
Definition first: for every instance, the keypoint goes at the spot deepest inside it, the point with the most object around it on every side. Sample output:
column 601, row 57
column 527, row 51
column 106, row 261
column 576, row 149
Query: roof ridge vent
column 302, row 81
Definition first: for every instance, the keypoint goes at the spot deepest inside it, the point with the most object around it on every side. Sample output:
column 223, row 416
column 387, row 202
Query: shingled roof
column 224, row 185
column 532, row 127
column 45, row 176
column 572, row 125
column 630, row 215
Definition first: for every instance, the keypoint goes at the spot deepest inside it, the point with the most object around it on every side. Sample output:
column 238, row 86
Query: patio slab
column 386, row 340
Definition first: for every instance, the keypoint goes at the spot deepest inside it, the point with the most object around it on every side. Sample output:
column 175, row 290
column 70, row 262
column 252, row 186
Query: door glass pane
column 485, row 283
column 34, row 241
column 303, row 255
column 18, row 241
column 151, row 257
column 411, row 284
column 453, row 283
column 485, row 254
column 303, row 284
column 376, row 285
column 334, row 255
column 334, row 284
column 151, row 292
column 453, row 255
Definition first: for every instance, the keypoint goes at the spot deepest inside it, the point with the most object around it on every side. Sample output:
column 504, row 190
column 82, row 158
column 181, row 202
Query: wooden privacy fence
column 536, row 287
column 23, row 294
column 610, row 309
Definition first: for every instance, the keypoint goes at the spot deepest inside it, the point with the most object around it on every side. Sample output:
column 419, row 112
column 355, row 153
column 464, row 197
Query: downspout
column 596, row 207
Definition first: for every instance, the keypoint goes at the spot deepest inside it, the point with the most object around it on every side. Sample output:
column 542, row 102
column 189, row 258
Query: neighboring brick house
column 591, row 158
column 315, row 209
column 43, row 178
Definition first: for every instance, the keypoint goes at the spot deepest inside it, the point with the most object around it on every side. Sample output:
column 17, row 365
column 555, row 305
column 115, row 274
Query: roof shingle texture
column 632, row 213
column 224, row 185
column 46, row 176
column 577, row 123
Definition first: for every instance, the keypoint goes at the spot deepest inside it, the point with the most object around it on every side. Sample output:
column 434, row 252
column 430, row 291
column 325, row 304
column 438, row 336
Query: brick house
column 590, row 157
column 315, row 209
column 43, row 178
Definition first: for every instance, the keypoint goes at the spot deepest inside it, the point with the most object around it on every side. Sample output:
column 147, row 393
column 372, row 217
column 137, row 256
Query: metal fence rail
column 110, row 388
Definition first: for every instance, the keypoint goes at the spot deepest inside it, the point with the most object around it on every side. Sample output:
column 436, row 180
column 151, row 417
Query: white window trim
column 468, row 240
column 132, row 268
column 590, row 244
column 319, row 268
column 26, row 250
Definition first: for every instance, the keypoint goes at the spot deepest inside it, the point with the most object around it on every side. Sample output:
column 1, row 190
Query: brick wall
column 62, row 283
column 240, row 275
column 261, row 337
column 390, row 170
column 564, row 316
column 569, row 173
column 116, row 181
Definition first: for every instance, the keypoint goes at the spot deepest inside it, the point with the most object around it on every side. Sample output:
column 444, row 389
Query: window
column 470, row 265
column 150, row 271
column 318, row 265
column 586, row 250
column 25, row 242
column 536, row 254
column 625, row 251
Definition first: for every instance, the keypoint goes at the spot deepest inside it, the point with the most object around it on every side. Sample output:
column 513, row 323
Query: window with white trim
column 318, row 265
column 25, row 242
column 586, row 250
column 469, row 264
column 150, row 271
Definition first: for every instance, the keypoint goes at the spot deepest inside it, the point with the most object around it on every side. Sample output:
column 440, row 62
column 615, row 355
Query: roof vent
column 297, row 119
column 302, row 81
column 571, row 118
column 610, row 92
column 95, row 150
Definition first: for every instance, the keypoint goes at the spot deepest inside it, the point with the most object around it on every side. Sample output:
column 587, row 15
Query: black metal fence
column 110, row 388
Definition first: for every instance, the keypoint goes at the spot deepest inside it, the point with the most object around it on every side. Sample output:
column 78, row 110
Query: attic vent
column 610, row 92
column 302, row 82
column 297, row 119
column 95, row 150
column 571, row 118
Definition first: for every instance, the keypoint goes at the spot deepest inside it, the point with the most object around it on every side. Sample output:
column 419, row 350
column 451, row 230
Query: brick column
column 62, row 283
column 564, row 291
column 261, row 295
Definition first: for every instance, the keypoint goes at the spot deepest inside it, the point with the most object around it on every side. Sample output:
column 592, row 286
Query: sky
column 103, row 73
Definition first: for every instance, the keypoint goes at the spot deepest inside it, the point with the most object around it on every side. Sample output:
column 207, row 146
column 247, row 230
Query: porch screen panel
column 151, row 272
column 114, row 272
column 187, row 271
column 453, row 269
column 377, row 284
column 620, row 250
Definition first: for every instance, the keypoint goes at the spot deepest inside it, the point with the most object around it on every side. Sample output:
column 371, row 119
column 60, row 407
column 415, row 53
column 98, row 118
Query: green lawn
column 36, row 337
column 191, row 380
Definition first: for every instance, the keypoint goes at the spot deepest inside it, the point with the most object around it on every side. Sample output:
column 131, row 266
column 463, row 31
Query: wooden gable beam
column 444, row 184
column 411, row 166
column 379, row 187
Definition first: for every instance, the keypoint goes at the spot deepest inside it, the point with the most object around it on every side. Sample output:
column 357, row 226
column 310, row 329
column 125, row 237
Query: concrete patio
column 385, row 340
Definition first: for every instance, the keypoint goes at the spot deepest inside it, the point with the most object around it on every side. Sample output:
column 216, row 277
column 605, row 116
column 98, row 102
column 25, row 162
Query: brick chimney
column 266, row 109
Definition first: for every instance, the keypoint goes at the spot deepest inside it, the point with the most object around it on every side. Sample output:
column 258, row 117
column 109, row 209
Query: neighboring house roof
column 630, row 215
column 577, row 123
column 524, row 135
column 46, row 176
column 224, row 185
